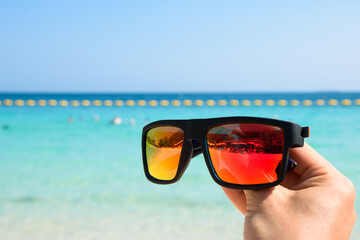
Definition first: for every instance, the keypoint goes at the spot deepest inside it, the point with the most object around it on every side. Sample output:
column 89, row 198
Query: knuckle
column 344, row 190
column 350, row 189
column 347, row 190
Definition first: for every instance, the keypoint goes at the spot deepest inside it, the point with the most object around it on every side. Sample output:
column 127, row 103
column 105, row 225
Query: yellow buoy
column 357, row 102
column 210, row 102
column 246, row 103
column 199, row 102
column 119, row 103
column 75, row 103
column 320, row 102
column 164, row 103
column 30, row 102
column 108, row 103
column 130, row 103
column 333, row 102
column 295, row 102
column 282, row 102
column 234, row 102
column 270, row 102
column 85, row 103
column 258, row 102
column 0, row 102
column 8, row 102
column 175, row 103
column 187, row 102
column 97, row 103
column 141, row 103
column 307, row 102
column 222, row 102
column 52, row 102
column 19, row 102
column 153, row 103
column 42, row 102
column 346, row 102
column 64, row 103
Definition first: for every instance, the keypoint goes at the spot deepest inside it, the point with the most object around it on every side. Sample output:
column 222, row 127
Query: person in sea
column 315, row 201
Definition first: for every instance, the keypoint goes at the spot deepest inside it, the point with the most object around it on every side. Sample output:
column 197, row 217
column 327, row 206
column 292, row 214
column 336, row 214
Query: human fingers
column 308, row 160
column 266, row 200
column 237, row 197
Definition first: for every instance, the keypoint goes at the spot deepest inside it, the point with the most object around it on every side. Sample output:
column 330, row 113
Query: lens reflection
column 246, row 153
column 163, row 149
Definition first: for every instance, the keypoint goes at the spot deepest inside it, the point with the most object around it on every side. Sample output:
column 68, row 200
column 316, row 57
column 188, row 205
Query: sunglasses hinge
column 305, row 132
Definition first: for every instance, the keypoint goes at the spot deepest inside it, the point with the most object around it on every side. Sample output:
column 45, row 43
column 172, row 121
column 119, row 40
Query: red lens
column 246, row 153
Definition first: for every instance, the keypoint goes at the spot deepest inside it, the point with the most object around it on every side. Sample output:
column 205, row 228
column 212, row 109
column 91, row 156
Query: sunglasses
column 240, row 152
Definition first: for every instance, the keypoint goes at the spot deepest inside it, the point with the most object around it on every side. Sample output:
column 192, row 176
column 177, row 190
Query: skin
column 315, row 201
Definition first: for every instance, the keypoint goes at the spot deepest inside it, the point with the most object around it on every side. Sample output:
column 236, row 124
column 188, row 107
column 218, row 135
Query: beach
column 71, row 172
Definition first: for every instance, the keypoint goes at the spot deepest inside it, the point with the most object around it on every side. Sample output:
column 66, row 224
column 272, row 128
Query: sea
column 75, row 172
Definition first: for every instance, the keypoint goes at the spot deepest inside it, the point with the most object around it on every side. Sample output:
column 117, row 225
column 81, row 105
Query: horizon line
column 178, row 93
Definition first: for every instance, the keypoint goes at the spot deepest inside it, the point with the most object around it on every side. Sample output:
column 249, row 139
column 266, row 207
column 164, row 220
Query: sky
column 179, row 46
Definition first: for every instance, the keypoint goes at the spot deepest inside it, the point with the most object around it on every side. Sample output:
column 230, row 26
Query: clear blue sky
column 179, row 46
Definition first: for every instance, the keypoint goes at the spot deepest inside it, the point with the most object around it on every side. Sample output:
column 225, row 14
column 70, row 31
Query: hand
column 315, row 201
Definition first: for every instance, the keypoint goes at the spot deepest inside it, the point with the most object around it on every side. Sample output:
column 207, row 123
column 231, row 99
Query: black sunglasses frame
column 195, row 132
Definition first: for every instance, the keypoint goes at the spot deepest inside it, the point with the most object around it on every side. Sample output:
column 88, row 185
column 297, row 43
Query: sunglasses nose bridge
column 187, row 155
column 196, row 148
column 194, row 130
column 194, row 137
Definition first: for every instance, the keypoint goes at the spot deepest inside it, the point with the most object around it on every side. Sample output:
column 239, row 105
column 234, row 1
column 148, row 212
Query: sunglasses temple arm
column 291, row 165
column 305, row 133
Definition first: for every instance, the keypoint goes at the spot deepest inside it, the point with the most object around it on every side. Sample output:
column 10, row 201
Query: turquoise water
column 84, row 179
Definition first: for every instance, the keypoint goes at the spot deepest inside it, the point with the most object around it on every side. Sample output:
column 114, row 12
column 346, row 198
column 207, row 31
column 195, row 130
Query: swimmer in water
column 96, row 118
column 132, row 121
column 116, row 121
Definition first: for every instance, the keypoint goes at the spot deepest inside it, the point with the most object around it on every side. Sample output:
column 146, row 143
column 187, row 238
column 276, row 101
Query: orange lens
column 246, row 153
column 163, row 150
